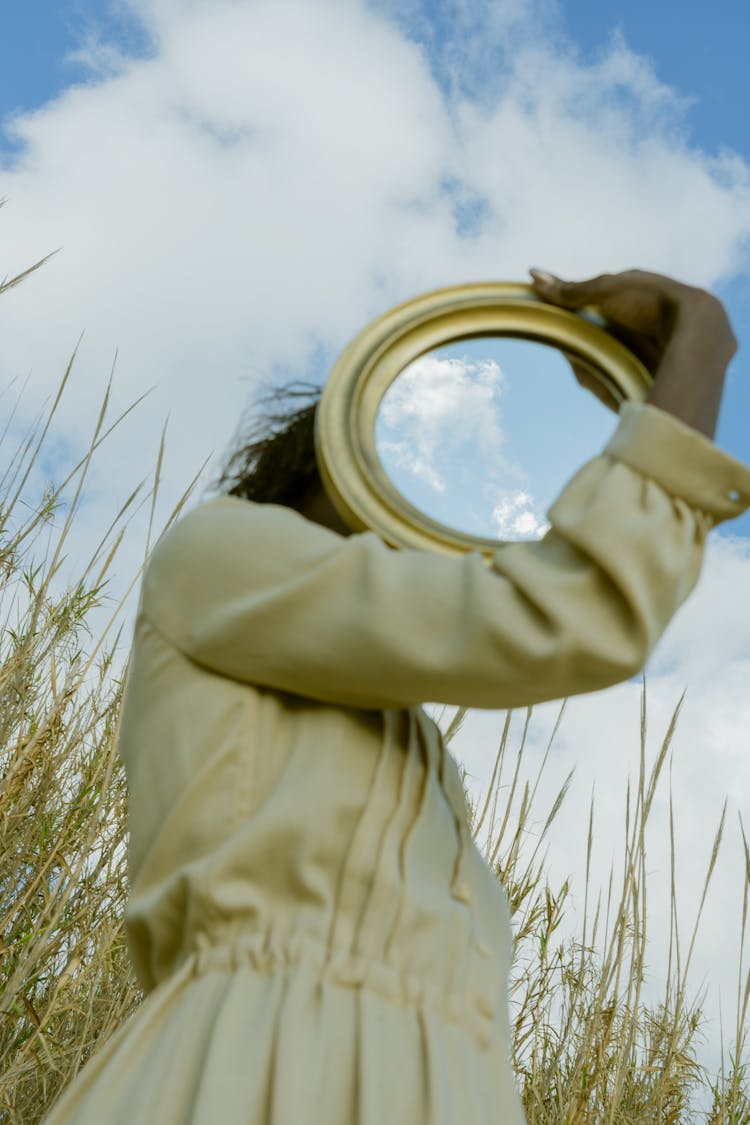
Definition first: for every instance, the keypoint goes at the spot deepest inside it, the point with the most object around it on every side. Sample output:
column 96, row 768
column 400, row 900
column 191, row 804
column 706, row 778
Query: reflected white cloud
column 441, row 422
column 401, row 455
column 440, row 405
column 516, row 516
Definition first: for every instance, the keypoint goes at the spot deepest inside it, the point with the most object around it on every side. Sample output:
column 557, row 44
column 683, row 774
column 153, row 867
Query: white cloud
column 400, row 455
column 440, row 407
column 441, row 422
column 516, row 516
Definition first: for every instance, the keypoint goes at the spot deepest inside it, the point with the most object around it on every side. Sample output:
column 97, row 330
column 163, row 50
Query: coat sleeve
column 258, row 593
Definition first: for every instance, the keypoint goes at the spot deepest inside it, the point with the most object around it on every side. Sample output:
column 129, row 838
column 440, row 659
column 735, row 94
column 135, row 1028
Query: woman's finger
column 571, row 294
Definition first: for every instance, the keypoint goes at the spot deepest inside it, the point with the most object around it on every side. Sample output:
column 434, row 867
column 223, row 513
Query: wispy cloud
column 516, row 516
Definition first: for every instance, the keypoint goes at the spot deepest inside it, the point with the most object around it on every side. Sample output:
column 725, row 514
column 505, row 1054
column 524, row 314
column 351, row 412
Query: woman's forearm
column 689, row 381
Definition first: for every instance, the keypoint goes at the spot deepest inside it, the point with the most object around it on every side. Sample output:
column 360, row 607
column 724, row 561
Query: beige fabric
column 320, row 940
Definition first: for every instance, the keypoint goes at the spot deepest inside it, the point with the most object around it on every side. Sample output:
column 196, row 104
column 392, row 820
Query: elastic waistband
column 232, row 951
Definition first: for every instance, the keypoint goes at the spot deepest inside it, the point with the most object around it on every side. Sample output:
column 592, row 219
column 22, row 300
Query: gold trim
column 349, row 466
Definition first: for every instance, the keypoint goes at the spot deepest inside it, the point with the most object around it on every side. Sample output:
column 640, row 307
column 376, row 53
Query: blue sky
column 37, row 37
column 233, row 200
column 702, row 57
column 699, row 49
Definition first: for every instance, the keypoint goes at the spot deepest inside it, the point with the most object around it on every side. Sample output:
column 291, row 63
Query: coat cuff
column 681, row 460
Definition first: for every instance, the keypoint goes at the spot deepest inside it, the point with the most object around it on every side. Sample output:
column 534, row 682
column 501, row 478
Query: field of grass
column 586, row 1047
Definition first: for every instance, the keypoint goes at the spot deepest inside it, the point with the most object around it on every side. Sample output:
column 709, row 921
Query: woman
column 318, row 936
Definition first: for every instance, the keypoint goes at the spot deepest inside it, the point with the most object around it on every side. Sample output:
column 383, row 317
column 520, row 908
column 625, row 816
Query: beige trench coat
column 320, row 941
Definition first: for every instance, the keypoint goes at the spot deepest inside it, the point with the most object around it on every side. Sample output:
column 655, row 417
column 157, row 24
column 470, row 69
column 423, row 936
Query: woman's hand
column 646, row 311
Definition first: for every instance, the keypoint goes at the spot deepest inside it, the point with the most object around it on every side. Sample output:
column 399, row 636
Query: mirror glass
column 483, row 434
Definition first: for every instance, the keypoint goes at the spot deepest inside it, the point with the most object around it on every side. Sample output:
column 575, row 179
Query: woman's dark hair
column 274, row 460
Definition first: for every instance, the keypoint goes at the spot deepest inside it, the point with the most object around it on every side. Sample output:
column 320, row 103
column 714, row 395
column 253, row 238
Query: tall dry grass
column 65, row 979
column 586, row 1047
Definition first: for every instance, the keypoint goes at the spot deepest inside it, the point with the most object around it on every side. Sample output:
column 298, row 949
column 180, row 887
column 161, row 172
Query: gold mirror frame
column 348, row 462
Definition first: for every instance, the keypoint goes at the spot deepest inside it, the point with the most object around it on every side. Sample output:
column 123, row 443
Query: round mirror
column 471, row 435
column 440, row 428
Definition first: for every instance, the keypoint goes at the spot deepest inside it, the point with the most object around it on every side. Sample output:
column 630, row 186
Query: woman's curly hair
column 274, row 459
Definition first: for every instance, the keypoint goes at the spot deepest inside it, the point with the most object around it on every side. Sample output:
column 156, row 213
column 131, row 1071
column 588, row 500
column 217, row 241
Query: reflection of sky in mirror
column 472, row 434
